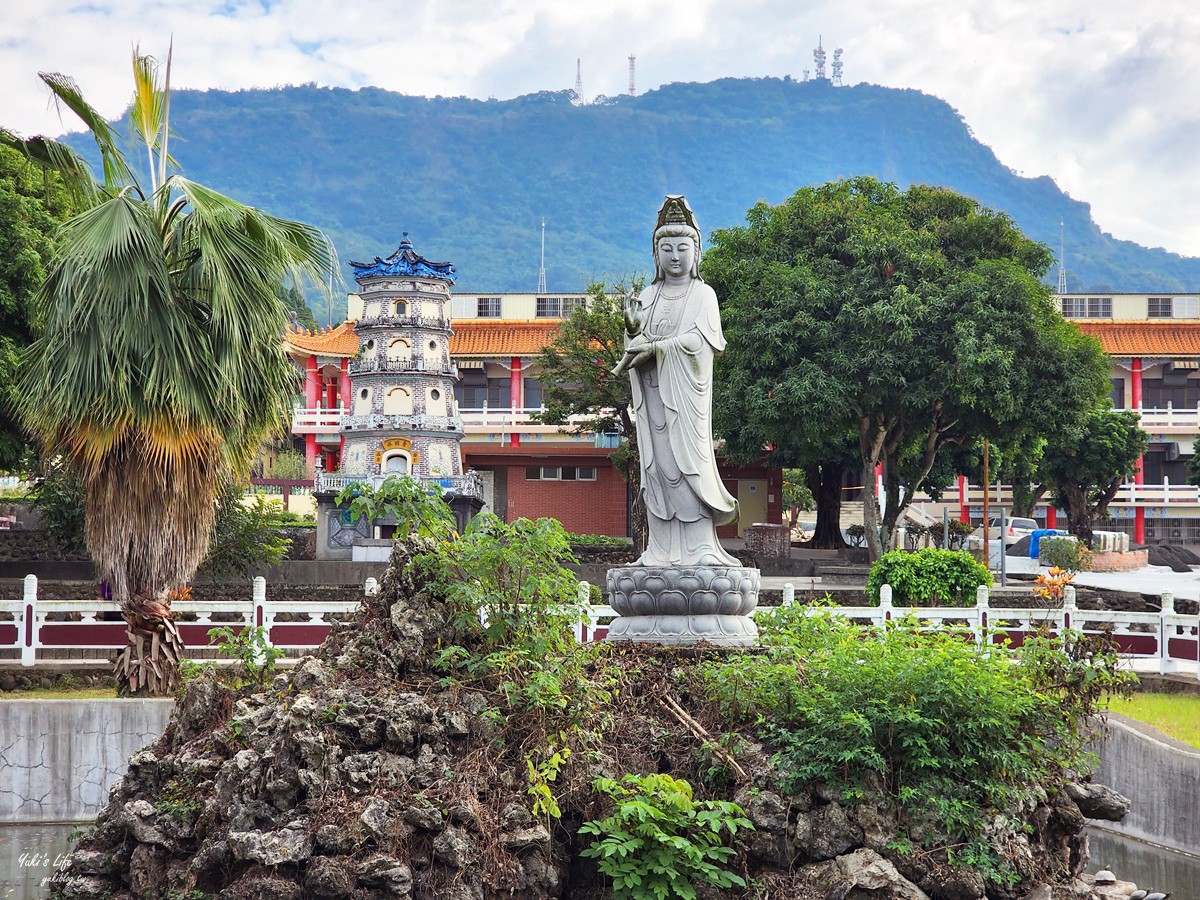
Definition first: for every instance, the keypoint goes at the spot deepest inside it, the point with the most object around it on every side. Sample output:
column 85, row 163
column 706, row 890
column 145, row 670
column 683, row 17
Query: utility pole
column 987, row 490
column 632, row 60
column 542, row 271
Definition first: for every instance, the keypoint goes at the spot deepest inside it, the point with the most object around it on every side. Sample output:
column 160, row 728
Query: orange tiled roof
column 340, row 341
column 501, row 337
column 472, row 337
column 1170, row 339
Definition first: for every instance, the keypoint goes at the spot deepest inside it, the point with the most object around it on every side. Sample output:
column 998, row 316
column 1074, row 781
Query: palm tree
column 158, row 364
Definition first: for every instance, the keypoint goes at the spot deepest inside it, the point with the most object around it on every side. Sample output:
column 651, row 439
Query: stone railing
column 429, row 322
column 468, row 485
column 384, row 364
column 402, row 423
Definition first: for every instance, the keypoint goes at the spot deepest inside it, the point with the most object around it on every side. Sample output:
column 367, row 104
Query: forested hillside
column 471, row 180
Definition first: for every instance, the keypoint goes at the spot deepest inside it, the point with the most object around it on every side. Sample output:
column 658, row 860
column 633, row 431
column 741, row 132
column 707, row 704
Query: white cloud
column 1095, row 93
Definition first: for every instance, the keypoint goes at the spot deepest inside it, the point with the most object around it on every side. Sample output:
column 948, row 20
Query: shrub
column 660, row 843
column 289, row 465
column 929, row 577
column 414, row 506
column 244, row 537
column 954, row 733
column 1064, row 553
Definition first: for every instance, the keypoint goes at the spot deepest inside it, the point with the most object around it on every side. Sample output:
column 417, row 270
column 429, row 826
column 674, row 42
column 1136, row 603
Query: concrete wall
column 58, row 758
column 1161, row 778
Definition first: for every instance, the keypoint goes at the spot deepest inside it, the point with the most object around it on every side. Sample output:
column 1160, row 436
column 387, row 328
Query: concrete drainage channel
column 58, row 759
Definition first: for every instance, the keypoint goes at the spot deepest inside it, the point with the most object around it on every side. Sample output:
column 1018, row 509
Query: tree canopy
column 1088, row 467
column 914, row 320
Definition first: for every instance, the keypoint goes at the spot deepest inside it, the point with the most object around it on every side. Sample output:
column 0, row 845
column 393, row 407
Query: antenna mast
column 837, row 66
column 819, row 59
column 1062, row 258
column 578, row 81
column 632, row 60
column 542, row 271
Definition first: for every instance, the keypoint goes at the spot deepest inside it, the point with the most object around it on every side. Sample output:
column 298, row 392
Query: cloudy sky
column 1102, row 95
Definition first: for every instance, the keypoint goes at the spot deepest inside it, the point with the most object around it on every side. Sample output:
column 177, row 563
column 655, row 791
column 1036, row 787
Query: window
column 487, row 308
column 1159, row 308
column 1087, row 307
column 534, row 394
column 396, row 464
column 470, row 396
column 401, row 309
column 1186, row 308
column 549, row 307
column 498, row 393
column 1117, row 395
column 570, row 304
column 560, row 473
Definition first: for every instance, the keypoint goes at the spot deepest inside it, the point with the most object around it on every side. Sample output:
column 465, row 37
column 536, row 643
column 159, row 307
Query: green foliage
column 957, row 734
column 659, row 843
column 414, row 506
column 58, row 497
column 244, row 537
column 796, row 493
column 1064, row 553
column 249, row 646
column 596, row 540
column 289, row 465
column 1088, row 465
column 928, row 577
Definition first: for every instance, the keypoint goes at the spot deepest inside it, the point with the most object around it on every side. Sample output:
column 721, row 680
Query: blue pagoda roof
column 405, row 261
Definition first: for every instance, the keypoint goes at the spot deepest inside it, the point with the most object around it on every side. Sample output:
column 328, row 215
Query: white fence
column 60, row 632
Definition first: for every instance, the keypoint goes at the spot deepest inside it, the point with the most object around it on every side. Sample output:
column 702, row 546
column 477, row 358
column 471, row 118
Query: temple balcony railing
column 468, row 485
column 1128, row 495
column 384, row 364
column 316, row 420
column 1181, row 420
column 508, row 419
column 397, row 422
column 432, row 323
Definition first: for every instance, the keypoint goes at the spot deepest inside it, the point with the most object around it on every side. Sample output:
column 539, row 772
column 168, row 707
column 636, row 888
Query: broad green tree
column 914, row 320
column 1090, row 464
column 158, row 363
column 31, row 206
column 576, row 370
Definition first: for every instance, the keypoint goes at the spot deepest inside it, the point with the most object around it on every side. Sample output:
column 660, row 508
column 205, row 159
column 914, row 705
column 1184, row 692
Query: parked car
column 1014, row 530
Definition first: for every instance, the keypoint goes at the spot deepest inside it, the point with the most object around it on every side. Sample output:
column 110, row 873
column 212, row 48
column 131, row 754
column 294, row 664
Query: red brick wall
column 583, row 507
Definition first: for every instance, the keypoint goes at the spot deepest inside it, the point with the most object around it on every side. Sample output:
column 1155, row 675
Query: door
column 752, row 498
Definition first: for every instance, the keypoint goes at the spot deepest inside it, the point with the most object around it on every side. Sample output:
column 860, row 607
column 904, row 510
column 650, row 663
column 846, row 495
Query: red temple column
column 1051, row 515
column 964, row 509
column 514, row 398
column 344, row 385
column 312, row 383
column 1139, row 512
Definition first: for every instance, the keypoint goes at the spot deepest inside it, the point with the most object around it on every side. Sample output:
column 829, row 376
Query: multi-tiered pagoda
column 401, row 418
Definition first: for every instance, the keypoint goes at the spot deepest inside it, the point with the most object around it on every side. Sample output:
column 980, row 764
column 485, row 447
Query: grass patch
column 100, row 693
column 1175, row 715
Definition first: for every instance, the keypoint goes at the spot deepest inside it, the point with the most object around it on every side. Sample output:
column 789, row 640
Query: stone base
column 683, row 605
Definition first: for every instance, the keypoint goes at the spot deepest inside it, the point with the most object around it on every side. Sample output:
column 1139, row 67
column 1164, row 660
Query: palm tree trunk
column 149, row 664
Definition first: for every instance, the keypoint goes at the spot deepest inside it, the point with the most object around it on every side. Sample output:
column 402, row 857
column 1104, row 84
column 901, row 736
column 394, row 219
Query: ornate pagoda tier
column 402, row 418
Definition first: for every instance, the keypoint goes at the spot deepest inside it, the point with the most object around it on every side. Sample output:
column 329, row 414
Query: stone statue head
column 675, row 219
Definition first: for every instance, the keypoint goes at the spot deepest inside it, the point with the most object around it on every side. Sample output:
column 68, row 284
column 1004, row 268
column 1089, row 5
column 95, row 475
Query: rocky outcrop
column 367, row 772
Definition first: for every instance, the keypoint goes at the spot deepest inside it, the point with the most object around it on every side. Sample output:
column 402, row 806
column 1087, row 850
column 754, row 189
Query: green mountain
column 471, row 180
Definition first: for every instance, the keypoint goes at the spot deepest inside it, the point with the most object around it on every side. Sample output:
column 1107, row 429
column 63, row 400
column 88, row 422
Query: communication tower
column 837, row 66
column 805, row 71
column 578, row 81
column 632, row 60
column 1062, row 258
column 819, row 59
column 542, row 271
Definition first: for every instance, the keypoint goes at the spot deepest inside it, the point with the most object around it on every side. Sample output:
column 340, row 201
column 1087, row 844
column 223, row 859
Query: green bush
column 289, row 465
column 660, row 843
column 1065, row 553
column 929, row 577
column 956, row 734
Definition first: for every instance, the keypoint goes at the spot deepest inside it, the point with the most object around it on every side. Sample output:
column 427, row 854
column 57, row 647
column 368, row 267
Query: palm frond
column 66, row 93
column 55, row 156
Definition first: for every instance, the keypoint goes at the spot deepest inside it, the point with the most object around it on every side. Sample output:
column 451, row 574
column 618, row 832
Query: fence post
column 29, row 622
column 1165, row 663
column 1068, row 608
column 981, row 615
column 261, row 618
column 371, row 587
column 583, row 594
column 789, row 594
column 885, row 603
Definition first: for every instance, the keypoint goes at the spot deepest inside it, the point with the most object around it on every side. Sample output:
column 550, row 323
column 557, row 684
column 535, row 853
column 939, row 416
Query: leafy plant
column 58, row 496
column 1065, row 553
column 289, row 465
column 250, row 647
column 1052, row 584
column 415, row 506
column 857, row 535
column 659, row 842
column 928, row 577
column 244, row 537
